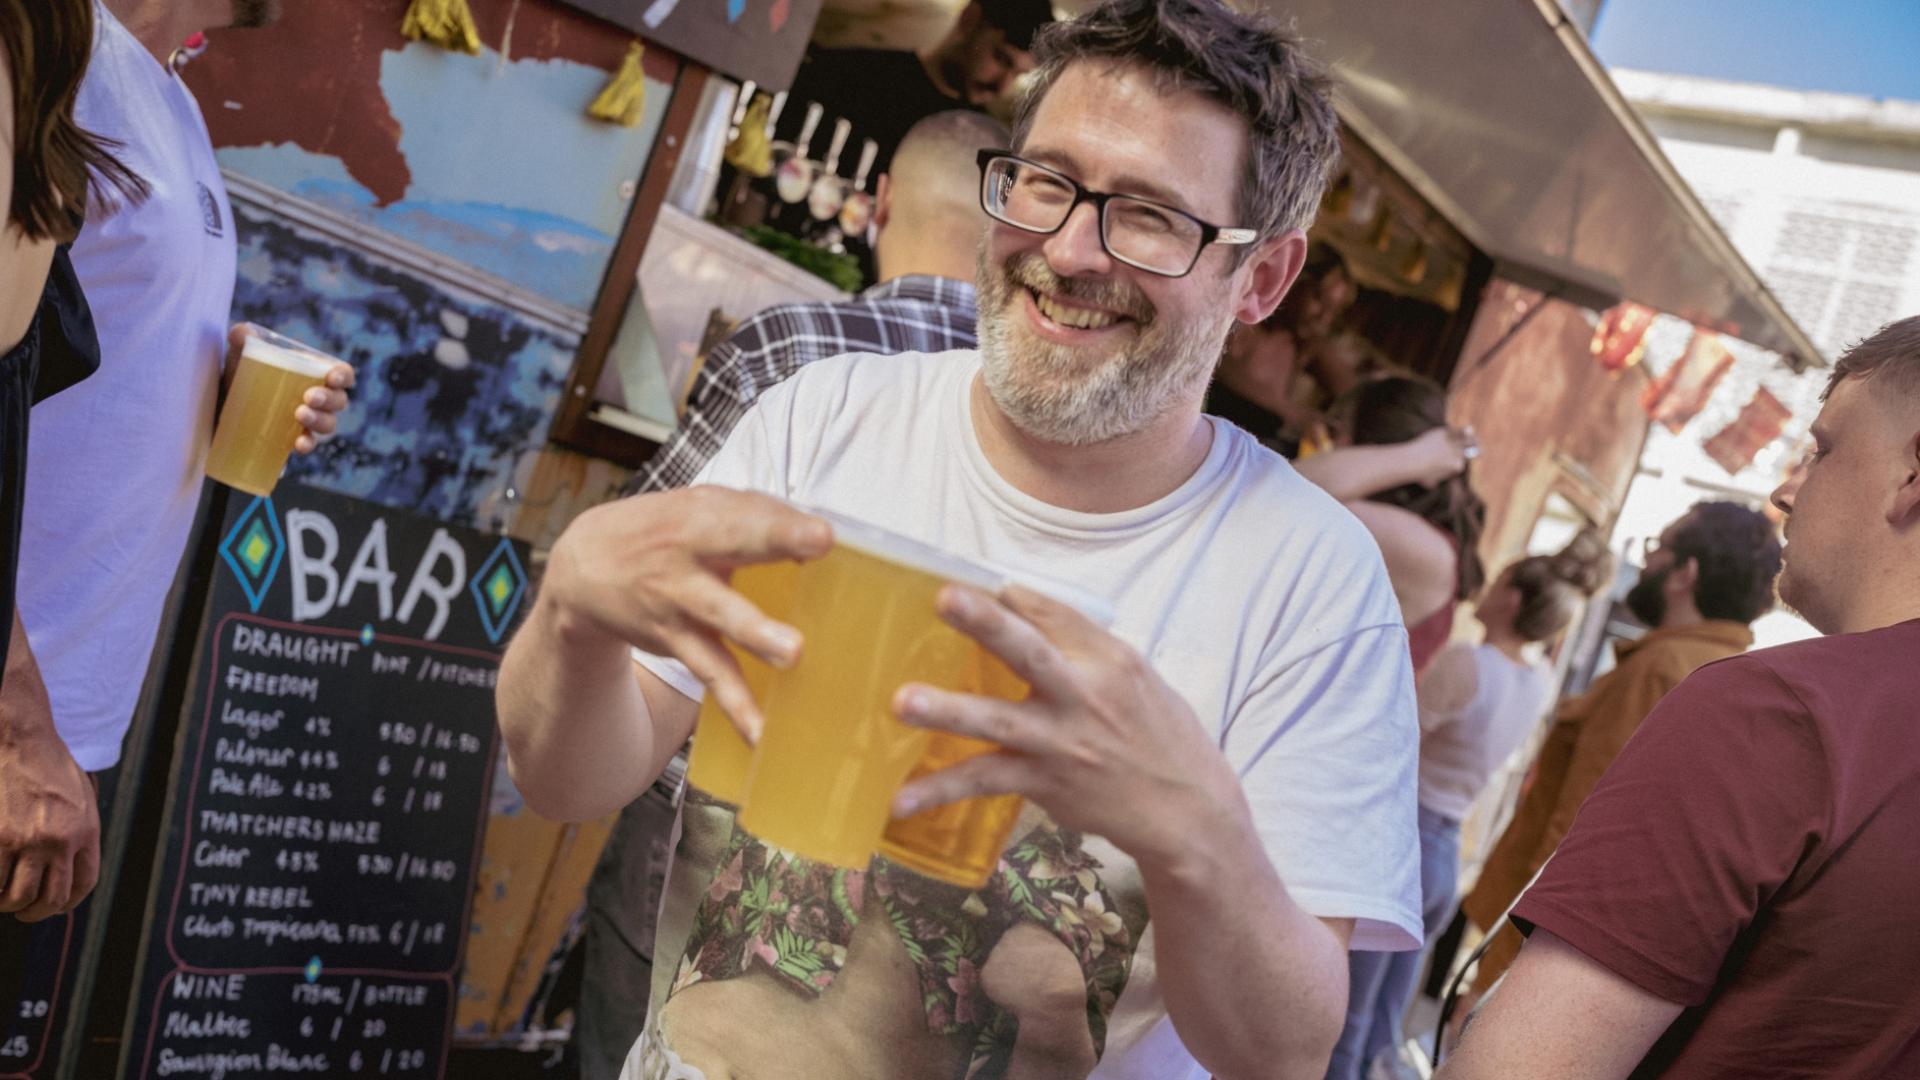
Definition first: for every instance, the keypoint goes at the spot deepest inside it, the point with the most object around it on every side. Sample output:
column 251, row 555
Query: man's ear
column 1270, row 271
column 882, row 201
column 1906, row 501
column 1685, row 577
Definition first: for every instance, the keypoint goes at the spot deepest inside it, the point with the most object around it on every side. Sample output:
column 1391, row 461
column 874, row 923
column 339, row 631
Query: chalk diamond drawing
column 253, row 549
column 498, row 588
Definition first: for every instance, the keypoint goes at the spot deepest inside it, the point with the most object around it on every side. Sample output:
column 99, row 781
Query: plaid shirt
column 916, row 313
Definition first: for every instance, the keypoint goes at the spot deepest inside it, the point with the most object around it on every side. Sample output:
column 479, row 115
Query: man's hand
column 652, row 571
column 1101, row 742
column 319, row 410
column 49, row 820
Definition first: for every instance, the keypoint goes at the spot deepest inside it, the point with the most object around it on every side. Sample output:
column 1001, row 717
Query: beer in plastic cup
column 833, row 754
column 960, row 843
column 718, row 765
column 257, row 429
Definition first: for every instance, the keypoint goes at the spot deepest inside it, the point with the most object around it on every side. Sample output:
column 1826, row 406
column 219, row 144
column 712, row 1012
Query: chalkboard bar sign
column 329, row 789
column 31, row 1025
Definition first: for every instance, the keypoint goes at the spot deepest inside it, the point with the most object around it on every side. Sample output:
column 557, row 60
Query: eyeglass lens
column 1147, row 236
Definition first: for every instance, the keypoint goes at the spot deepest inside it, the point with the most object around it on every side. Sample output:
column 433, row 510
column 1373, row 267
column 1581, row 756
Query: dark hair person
column 52, row 175
column 1400, row 468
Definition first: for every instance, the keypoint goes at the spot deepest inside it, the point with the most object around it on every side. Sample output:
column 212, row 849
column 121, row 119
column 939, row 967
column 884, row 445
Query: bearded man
column 1220, row 789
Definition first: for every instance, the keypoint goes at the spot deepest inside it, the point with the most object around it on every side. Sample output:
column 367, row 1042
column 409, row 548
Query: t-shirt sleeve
column 750, row 460
column 1705, row 815
column 1327, row 749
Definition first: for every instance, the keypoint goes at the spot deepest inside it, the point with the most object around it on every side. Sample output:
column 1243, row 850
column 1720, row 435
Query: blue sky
column 1867, row 47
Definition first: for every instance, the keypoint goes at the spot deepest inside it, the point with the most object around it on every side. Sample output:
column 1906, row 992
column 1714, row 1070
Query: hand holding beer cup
column 281, row 397
column 1101, row 742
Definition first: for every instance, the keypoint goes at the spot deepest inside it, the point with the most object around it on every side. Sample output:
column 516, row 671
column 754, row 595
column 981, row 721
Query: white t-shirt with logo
column 114, row 466
column 1251, row 592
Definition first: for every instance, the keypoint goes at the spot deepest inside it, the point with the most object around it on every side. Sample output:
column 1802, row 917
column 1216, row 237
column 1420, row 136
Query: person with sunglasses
column 1221, row 788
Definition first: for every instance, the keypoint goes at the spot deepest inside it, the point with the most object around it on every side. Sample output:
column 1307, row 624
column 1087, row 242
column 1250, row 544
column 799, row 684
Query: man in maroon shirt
column 1739, row 895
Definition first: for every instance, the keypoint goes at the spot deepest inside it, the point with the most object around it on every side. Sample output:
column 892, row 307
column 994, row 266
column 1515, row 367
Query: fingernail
column 905, row 806
column 785, row 641
column 914, row 705
column 959, row 602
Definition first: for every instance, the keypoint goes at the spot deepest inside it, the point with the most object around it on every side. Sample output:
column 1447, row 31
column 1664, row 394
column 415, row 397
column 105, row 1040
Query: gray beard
column 1052, row 393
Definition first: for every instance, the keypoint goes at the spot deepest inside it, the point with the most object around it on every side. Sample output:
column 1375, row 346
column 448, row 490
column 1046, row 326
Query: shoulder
column 856, row 381
column 1452, row 680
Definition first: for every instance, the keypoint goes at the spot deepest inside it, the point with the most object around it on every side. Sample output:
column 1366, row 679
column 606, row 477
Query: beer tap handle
column 868, row 153
column 842, row 128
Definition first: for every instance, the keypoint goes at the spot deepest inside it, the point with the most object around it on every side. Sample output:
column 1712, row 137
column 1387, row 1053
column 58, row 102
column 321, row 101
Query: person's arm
column 1559, row 1014
column 1107, row 747
column 49, row 816
column 585, row 729
column 1421, row 564
column 1352, row 473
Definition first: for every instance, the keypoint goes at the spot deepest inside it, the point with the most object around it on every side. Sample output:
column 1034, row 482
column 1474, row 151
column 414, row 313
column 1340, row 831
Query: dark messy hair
column 1395, row 410
column 1244, row 62
column 1019, row 20
column 1738, row 551
column 1552, row 587
column 56, row 164
column 1891, row 354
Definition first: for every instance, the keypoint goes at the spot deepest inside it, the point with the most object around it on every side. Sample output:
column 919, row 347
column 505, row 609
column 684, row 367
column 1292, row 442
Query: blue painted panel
column 451, row 389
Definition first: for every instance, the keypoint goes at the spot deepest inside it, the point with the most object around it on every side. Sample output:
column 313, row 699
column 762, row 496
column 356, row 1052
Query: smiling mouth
column 1077, row 318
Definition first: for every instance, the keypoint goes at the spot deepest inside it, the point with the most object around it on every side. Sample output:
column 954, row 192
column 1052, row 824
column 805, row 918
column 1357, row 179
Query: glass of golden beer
column 720, row 757
column 257, row 429
column 833, row 754
column 960, row 843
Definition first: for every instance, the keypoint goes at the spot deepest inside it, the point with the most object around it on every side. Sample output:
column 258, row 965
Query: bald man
column 929, row 222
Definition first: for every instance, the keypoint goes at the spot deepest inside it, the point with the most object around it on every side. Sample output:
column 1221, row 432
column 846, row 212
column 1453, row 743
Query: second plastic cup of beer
column 257, row 429
column 833, row 753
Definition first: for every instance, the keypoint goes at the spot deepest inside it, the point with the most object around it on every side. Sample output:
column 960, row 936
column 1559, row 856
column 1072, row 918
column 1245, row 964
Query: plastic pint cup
column 720, row 757
column 960, row 843
column 257, row 429
column 833, row 754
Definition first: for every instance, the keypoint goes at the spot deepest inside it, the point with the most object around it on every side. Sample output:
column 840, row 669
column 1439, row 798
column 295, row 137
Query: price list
column 310, row 914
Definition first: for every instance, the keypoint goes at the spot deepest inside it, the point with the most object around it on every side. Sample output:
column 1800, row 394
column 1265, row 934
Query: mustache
column 1029, row 269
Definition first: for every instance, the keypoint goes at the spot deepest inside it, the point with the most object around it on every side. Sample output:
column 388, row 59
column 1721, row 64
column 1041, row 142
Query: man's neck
column 160, row 25
column 1104, row 478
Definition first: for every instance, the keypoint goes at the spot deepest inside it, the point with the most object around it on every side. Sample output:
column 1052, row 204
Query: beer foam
column 286, row 354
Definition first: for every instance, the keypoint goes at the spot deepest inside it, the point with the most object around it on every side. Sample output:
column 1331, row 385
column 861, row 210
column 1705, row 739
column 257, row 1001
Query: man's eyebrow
column 1129, row 184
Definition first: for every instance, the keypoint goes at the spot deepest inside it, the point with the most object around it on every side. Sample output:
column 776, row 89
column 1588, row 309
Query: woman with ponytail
column 1403, row 473
column 1478, row 704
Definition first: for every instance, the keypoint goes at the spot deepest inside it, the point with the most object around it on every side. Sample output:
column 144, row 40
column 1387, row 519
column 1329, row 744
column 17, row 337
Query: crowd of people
column 1103, row 347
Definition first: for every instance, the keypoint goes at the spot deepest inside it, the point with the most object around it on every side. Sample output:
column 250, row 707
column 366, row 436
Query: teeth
column 1079, row 318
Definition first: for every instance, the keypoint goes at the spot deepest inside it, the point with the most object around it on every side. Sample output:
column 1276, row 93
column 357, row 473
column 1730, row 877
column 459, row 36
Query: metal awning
column 1499, row 114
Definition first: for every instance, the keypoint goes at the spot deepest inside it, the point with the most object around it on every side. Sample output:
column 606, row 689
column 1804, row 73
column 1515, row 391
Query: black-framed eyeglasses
column 1144, row 234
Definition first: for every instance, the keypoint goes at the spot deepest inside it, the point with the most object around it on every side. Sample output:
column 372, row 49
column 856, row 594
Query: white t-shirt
column 1461, row 748
column 114, row 466
column 1253, row 594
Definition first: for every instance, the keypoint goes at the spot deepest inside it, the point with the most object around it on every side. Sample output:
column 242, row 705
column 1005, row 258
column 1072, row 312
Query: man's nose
column 1076, row 248
column 1783, row 496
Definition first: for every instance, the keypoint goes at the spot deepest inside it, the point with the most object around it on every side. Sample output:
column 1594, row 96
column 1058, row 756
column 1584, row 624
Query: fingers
column 1013, row 726
column 317, row 422
column 987, row 774
column 735, row 618
column 340, row 378
column 23, row 888
column 86, row 874
column 1019, row 636
column 715, row 667
column 739, row 527
column 238, row 333
column 325, row 399
column 56, row 886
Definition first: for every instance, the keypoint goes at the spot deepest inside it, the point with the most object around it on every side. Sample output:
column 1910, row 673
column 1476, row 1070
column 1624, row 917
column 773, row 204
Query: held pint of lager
column 257, row 429
column 833, row 753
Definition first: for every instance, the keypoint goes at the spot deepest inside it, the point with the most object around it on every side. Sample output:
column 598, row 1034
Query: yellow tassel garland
column 625, row 97
column 446, row 23
column 749, row 151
